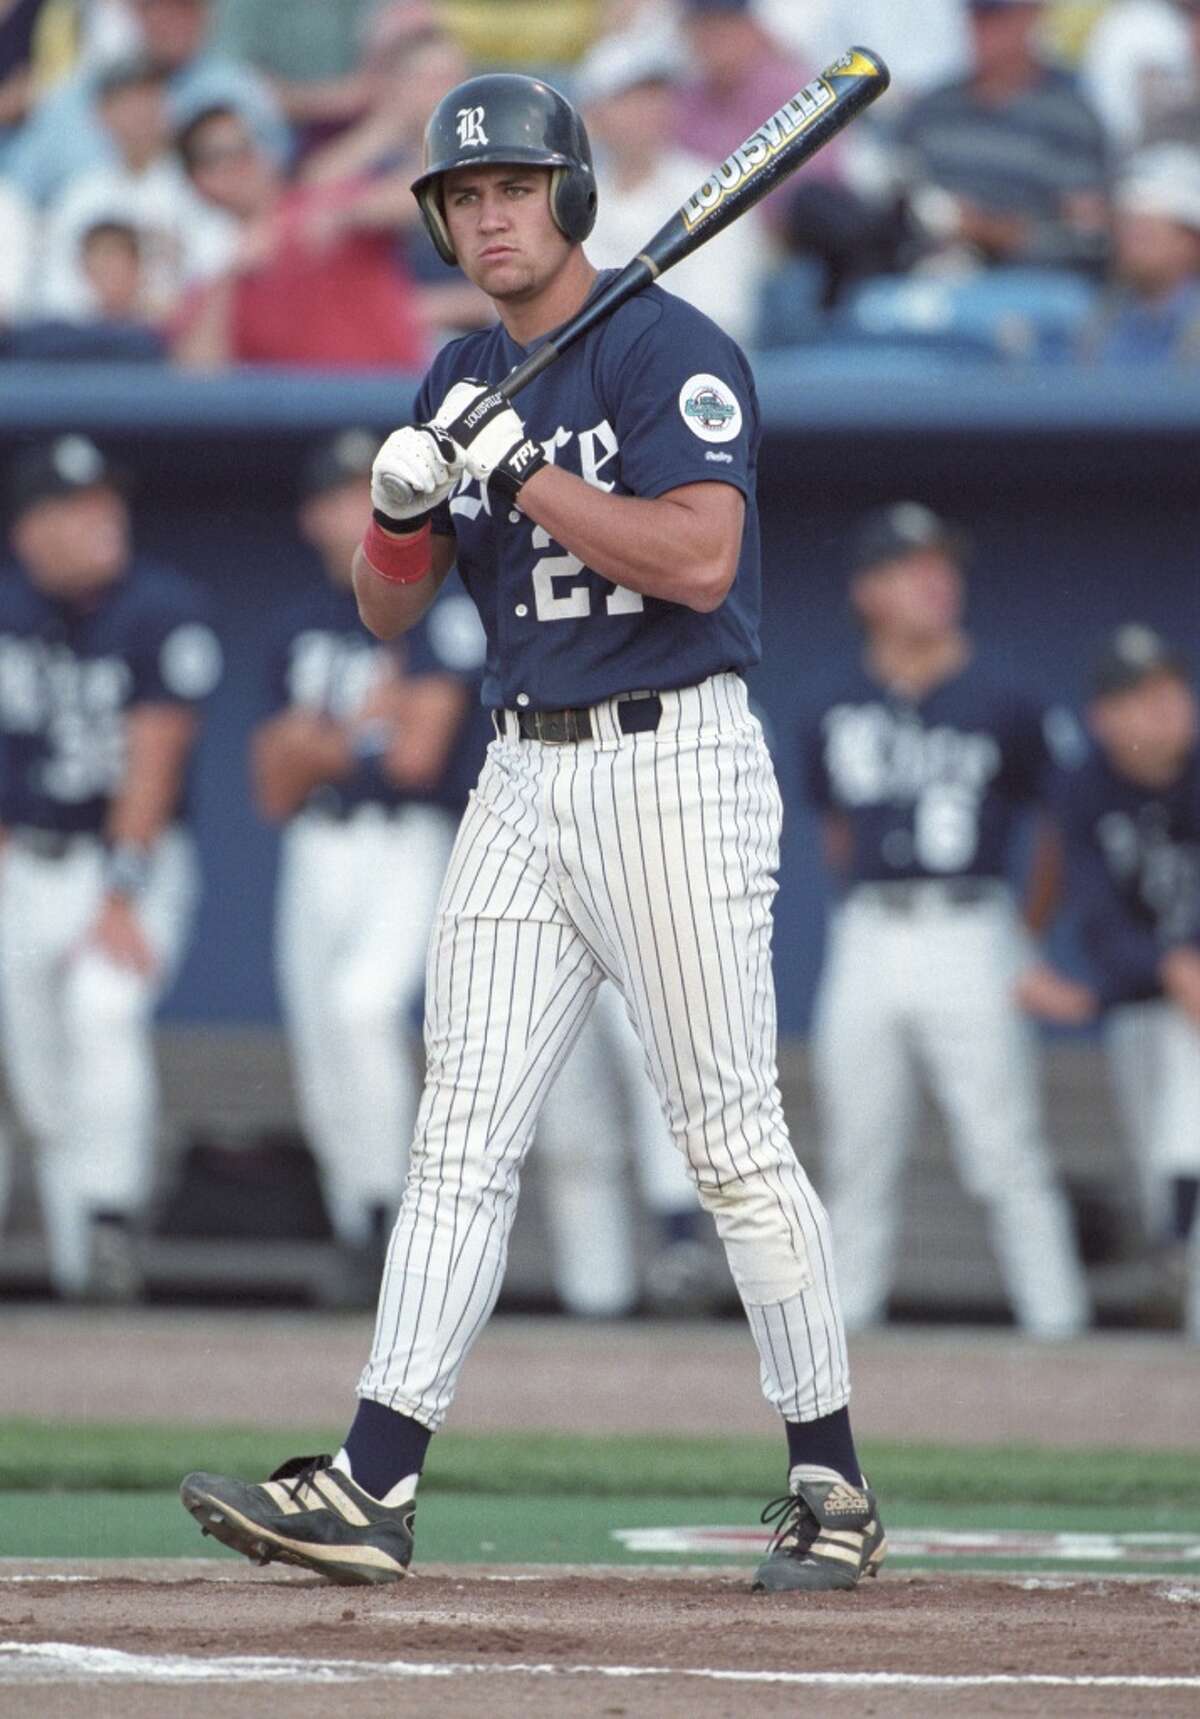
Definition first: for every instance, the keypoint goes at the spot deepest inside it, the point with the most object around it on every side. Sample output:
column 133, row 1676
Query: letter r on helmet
column 470, row 128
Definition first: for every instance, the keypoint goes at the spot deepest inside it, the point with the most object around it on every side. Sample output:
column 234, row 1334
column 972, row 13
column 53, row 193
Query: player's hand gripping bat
column 782, row 143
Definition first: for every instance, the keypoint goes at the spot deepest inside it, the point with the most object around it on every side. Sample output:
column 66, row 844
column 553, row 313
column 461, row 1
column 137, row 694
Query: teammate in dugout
column 920, row 763
column 104, row 659
column 1131, row 818
column 625, row 824
column 358, row 755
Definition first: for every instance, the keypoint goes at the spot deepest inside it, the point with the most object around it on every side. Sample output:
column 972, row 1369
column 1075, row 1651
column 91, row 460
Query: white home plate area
column 973, row 1544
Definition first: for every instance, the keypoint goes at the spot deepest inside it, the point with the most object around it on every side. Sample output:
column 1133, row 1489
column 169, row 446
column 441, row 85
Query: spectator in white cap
column 627, row 88
column 924, row 42
column 1141, row 67
column 1153, row 312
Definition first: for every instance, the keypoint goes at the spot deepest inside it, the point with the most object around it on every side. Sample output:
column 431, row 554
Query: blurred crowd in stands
column 215, row 182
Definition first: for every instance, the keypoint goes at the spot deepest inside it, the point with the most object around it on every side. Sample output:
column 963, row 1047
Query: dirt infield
column 952, row 1386
column 201, row 1639
column 538, row 1643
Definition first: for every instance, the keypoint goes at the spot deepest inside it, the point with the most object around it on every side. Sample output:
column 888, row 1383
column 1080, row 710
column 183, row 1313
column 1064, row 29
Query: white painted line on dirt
column 65, row 1662
column 970, row 1544
column 6, row 1581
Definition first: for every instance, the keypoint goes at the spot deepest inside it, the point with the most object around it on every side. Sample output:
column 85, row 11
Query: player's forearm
column 386, row 609
column 430, row 718
column 384, row 205
column 837, row 843
column 1179, row 971
column 326, row 101
column 204, row 342
column 1044, row 885
column 158, row 741
column 678, row 547
column 291, row 756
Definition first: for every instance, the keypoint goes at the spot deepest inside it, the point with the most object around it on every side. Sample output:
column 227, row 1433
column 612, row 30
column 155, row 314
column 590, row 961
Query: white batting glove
column 490, row 435
column 412, row 472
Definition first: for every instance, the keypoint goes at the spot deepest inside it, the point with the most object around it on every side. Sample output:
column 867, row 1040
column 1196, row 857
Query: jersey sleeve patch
column 190, row 661
column 710, row 408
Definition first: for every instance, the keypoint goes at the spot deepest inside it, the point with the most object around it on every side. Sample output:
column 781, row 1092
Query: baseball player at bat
column 920, row 763
column 625, row 826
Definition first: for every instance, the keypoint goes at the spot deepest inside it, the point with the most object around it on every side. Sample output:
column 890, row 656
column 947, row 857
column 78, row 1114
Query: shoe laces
column 796, row 1528
column 299, row 1471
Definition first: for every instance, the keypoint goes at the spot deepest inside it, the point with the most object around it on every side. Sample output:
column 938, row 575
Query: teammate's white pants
column 77, row 1032
column 353, row 909
column 1154, row 1054
column 931, row 988
column 649, row 858
column 602, row 1107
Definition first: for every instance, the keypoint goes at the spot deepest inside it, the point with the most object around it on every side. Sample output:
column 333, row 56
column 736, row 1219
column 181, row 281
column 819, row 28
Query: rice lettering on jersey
column 559, row 633
column 931, row 788
column 69, row 676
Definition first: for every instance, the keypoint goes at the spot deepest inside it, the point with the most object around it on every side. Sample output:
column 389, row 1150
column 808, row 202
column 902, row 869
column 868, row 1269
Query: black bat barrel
column 782, row 143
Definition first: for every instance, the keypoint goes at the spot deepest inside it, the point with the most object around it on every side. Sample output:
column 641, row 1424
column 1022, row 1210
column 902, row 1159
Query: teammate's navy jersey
column 932, row 787
column 69, row 675
column 654, row 398
column 1133, row 867
column 322, row 659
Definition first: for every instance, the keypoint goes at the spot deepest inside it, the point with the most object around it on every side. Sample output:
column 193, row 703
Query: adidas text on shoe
column 827, row 1535
column 308, row 1513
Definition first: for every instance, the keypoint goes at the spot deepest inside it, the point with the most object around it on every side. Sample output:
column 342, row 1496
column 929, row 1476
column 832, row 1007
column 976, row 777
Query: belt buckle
column 557, row 727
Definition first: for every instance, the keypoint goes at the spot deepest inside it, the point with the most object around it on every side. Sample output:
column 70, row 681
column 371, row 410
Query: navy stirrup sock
column 824, row 1443
column 384, row 1447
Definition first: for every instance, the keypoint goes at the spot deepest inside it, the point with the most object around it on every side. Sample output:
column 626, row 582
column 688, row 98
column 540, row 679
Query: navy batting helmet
column 501, row 118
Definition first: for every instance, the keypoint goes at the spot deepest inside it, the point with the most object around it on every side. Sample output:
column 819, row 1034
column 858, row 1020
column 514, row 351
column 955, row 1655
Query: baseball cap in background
column 340, row 459
column 1163, row 179
column 901, row 529
column 49, row 470
column 1128, row 656
column 620, row 63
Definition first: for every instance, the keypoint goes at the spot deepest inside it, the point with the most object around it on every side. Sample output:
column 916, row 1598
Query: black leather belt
column 635, row 715
column 906, row 895
column 334, row 810
column 48, row 844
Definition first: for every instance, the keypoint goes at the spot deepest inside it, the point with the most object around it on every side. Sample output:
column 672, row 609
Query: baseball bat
column 782, row 143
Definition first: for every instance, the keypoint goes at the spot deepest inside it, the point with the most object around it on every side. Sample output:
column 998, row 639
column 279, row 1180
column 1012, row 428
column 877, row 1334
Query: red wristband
column 400, row 560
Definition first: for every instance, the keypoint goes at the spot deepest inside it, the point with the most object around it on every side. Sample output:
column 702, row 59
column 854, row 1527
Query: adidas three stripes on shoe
column 308, row 1513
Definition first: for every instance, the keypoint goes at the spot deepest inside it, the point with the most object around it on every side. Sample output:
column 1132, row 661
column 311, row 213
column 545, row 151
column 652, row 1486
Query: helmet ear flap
column 573, row 201
column 430, row 199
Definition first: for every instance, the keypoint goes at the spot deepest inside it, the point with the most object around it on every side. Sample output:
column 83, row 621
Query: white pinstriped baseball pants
column 649, row 858
column 77, row 1032
column 350, row 950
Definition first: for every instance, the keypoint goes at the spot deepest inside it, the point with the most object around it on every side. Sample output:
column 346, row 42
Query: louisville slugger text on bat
column 782, row 143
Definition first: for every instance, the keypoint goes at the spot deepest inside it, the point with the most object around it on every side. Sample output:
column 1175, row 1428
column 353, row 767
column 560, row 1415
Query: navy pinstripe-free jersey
column 655, row 398
column 71, row 672
column 322, row 659
column 931, row 787
column 1133, row 868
